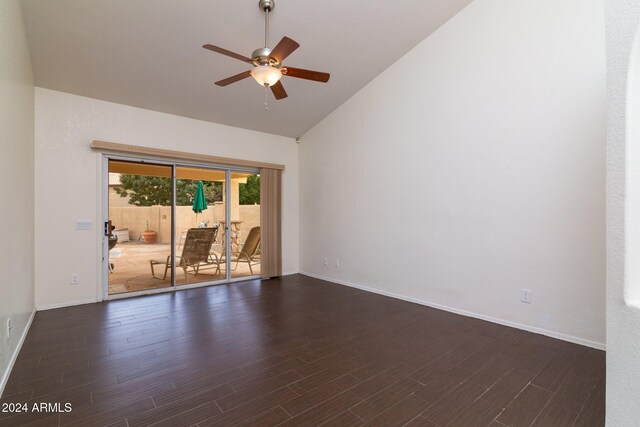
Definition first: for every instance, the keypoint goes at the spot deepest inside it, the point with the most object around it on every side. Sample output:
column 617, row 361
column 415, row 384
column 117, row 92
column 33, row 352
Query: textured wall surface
column 16, row 181
column 472, row 168
column 623, row 322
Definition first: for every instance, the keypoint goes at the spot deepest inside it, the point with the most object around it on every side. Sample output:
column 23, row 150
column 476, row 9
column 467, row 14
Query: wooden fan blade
column 300, row 73
column 227, row 53
column 283, row 49
column 234, row 79
column 278, row 91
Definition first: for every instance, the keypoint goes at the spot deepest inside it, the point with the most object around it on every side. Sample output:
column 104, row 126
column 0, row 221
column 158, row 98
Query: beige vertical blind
column 270, row 222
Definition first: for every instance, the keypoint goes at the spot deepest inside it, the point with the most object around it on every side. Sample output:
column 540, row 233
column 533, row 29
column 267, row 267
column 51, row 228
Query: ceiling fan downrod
column 266, row 6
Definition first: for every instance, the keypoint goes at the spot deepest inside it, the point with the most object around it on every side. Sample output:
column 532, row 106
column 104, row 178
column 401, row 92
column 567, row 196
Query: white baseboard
column 65, row 304
column 534, row 329
column 14, row 356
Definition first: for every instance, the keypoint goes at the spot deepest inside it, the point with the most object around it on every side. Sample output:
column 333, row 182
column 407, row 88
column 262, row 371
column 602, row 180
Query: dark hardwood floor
column 296, row 351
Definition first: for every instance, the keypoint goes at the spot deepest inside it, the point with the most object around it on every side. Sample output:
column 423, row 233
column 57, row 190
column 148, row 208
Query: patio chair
column 195, row 253
column 249, row 251
column 203, row 224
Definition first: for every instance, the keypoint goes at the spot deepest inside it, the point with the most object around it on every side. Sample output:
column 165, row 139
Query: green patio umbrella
column 199, row 201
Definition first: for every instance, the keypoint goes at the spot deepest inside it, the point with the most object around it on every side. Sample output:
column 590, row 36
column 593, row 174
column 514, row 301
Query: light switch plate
column 84, row 224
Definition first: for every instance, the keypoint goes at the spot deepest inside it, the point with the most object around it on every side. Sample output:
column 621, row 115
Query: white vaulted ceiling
column 148, row 53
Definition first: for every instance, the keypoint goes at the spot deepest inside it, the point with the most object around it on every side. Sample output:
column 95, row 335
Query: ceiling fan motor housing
column 261, row 56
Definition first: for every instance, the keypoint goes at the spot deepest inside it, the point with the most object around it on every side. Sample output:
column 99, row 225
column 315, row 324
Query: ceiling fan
column 267, row 63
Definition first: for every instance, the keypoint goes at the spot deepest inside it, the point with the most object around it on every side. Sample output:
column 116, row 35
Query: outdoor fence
column 135, row 218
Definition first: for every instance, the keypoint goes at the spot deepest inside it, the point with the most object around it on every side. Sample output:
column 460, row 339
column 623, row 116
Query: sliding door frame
column 228, row 169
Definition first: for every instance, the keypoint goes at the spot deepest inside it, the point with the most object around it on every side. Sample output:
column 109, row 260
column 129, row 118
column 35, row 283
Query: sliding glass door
column 140, row 214
column 173, row 226
column 199, row 224
column 245, row 224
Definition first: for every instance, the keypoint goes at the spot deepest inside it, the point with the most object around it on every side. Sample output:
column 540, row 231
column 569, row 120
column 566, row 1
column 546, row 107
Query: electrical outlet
column 525, row 296
column 337, row 263
column 326, row 261
column 74, row 279
column 8, row 328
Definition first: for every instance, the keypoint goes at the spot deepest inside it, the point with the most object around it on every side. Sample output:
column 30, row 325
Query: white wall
column 68, row 181
column 16, row 182
column 487, row 140
column 623, row 323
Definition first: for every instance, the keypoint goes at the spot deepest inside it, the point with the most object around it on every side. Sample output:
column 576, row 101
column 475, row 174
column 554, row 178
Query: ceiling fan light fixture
column 266, row 75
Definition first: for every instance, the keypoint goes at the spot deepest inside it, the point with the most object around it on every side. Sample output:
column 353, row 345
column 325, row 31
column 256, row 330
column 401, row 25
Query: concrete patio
column 132, row 272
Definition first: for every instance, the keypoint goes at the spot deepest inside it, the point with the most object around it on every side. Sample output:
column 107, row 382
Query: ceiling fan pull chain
column 266, row 97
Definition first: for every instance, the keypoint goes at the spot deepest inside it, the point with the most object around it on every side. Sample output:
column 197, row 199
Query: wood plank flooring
column 296, row 351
